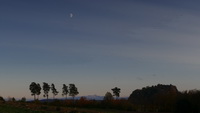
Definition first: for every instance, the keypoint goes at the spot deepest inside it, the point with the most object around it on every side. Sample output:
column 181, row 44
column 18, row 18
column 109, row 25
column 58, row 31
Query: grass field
column 50, row 109
column 13, row 109
column 37, row 107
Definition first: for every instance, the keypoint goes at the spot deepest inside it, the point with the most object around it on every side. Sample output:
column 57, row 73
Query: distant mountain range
column 89, row 97
column 94, row 97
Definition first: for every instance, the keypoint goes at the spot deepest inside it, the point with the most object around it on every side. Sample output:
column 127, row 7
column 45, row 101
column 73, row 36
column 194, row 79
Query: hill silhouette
column 149, row 94
column 155, row 95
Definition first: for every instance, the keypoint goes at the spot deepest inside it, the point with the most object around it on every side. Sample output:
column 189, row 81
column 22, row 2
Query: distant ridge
column 94, row 97
column 89, row 97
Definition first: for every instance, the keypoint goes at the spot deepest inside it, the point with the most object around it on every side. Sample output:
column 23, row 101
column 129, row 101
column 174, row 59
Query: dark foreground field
column 19, row 107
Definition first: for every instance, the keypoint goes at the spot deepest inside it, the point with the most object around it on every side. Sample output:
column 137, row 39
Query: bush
column 2, row 100
column 23, row 99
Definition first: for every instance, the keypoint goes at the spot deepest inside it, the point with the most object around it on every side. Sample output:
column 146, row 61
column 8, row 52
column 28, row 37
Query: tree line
column 35, row 89
column 70, row 90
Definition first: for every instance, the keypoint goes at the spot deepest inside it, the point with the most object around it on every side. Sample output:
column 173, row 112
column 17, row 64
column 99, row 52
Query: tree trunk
column 34, row 97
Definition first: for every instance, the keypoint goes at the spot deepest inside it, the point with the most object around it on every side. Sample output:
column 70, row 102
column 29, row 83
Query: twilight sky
column 98, row 44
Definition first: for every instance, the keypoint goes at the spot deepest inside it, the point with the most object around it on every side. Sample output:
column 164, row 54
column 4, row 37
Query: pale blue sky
column 125, row 43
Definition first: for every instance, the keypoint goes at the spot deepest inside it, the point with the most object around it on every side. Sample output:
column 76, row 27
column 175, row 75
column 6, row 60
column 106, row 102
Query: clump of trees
column 2, row 100
column 108, row 97
column 188, row 102
column 108, row 102
column 154, row 98
column 165, row 98
column 35, row 89
column 159, row 98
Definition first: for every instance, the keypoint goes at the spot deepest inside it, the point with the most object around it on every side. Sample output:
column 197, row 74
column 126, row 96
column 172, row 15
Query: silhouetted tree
column 65, row 91
column 107, row 100
column 108, row 97
column 13, row 99
column 116, row 92
column 23, row 99
column 33, row 89
column 46, row 89
column 73, row 91
column 54, row 90
column 2, row 100
column 38, row 90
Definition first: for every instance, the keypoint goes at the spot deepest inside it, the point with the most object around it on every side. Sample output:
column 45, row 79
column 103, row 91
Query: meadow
column 55, row 107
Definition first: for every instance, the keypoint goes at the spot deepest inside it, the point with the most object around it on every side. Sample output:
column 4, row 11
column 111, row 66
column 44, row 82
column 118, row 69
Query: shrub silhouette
column 2, row 100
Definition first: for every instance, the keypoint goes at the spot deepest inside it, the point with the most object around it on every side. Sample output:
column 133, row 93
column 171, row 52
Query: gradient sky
column 98, row 44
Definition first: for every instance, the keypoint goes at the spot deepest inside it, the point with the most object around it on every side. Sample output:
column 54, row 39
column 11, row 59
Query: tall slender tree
column 116, row 92
column 33, row 89
column 73, row 91
column 46, row 89
column 54, row 90
column 65, row 91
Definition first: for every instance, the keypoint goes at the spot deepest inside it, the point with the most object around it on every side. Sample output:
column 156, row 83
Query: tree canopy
column 116, row 92
column 73, row 91
column 65, row 90
column 108, row 97
column 54, row 90
column 46, row 89
column 34, row 89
